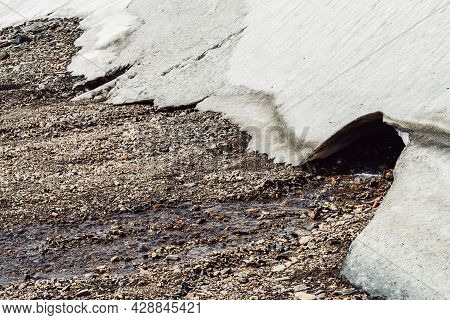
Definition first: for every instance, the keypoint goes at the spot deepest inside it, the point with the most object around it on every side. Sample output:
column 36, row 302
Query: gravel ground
column 128, row 202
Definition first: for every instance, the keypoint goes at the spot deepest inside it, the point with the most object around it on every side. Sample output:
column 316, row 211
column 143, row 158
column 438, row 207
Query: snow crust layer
column 293, row 74
column 404, row 252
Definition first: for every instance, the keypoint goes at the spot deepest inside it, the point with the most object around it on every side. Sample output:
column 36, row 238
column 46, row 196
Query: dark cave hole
column 373, row 147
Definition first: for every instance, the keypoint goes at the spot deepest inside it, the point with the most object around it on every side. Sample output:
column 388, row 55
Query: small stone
column 172, row 257
column 142, row 247
column 4, row 55
column 83, row 293
column 225, row 271
column 300, row 288
column 201, row 221
column 389, row 175
column 243, row 279
column 101, row 269
column 21, row 39
column 357, row 210
column 304, row 240
column 376, row 203
column 33, row 27
column 191, row 296
column 304, row 296
column 190, row 185
column 253, row 210
column 176, row 270
column 279, row 268
column 345, row 292
column 312, row 214
column 282, row 279
column 115, row 259
column 66, row 288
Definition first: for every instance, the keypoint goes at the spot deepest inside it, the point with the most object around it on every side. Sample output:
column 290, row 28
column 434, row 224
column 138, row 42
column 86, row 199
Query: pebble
column 300, row 288
column 282, row 279
column 115, row 259
column 83, row 293
column 190, row 185
column 279, row 268
column 304, row 296
column 4, row 55
column 172, row 257
column 304, row 240
column 33, row 27
column 21, row 39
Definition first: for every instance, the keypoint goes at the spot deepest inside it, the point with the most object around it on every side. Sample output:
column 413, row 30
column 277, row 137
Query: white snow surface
column 293, row 73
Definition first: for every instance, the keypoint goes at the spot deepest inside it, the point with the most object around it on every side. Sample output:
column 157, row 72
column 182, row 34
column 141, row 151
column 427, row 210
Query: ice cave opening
column 367, row 145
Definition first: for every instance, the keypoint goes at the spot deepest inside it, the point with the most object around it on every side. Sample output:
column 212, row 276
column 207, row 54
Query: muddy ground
column 128, row 202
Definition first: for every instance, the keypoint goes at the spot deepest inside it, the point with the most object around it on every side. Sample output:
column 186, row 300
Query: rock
column 176, row 270
column 304, row 240
column 301, row 232
column 279, row 268
column 115, row 259
column 33, row 27
column 345, row 292
column 312, row 214
column 201, row 221
column 4, row 55
column 172, row 257
column 66, row 288
column 376, row 203
column 191, row 296
column 321, row 296
column 21, row 39
column 304, row 296
column 225, row 271
column 253, row 210
column 101, row 269
column 282, row 279
column 143, row 247
column 83, row 293
column 190, row 185
column 300, row 288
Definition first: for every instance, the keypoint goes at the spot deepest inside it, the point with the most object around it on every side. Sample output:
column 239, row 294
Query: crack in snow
column 184, row 63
